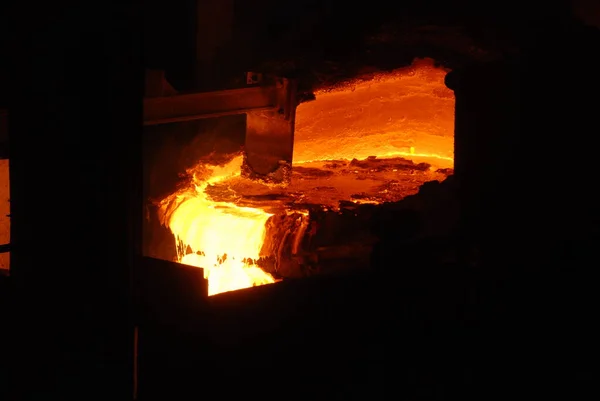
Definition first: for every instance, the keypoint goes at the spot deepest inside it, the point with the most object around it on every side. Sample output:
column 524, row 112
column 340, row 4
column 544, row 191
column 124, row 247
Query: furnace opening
column 405, row 113
column 371, row 141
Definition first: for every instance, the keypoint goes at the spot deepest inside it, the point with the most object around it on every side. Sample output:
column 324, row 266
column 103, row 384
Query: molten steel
column 408, row 113
column 224, row 239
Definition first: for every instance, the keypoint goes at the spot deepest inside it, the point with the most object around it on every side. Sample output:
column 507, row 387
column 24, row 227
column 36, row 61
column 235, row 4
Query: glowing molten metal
column 408, row 113
column 225, row 239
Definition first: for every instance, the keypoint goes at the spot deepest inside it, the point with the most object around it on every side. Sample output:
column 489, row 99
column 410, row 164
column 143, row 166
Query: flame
column 225, row 239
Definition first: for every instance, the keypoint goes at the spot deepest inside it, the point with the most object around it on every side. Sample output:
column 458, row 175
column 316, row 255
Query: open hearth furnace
column 255, row 188
column 350, row 221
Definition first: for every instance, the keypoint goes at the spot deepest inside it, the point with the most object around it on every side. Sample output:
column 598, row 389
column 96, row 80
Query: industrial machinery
column 269, row 105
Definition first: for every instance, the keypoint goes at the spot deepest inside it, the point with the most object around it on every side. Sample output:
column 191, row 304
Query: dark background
column 74, row 79
column 322, row 42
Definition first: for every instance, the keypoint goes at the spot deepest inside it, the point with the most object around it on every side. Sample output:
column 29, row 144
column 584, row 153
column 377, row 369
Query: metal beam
column 193, row 106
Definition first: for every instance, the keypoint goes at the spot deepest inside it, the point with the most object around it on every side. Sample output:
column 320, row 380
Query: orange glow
column 408, row 113
column 225, row 239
